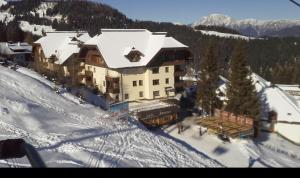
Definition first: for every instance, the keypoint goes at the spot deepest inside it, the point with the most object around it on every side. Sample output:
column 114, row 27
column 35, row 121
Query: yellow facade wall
column 129, row 75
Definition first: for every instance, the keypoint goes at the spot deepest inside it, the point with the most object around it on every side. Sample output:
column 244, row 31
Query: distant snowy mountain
column 252, row 27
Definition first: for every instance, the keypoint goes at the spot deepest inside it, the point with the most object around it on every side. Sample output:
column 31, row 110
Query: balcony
column 175, row 62
column 112, row 79
column 113, row 90
column 88, row 73
column 52, row 59
column 80, row 60
column 81, row 64
column 180, row 73
column 179, row 84
column 81, row 73
column 112, row 85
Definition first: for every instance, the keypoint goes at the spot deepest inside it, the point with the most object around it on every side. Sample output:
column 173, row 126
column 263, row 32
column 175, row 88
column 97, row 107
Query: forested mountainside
column 276, row 59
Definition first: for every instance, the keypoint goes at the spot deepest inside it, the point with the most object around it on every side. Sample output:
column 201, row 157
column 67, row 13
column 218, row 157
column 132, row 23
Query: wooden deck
column 231, row 129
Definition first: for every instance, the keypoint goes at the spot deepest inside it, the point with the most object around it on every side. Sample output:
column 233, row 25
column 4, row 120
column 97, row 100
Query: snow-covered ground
column 41, row 11
column 68, row 134
column 269, row 151
column 6, row 17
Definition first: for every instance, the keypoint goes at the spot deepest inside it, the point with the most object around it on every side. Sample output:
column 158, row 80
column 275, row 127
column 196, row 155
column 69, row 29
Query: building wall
column 98, row 79
column 44, row 66
column 128, row 76
column 147, row 87
column 161, row 76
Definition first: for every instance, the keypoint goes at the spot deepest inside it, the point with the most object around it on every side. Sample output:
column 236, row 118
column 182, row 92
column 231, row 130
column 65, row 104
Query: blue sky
column 188, row 11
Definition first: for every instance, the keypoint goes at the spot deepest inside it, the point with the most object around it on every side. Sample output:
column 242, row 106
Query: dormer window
column 74, row 39
column 133, row 55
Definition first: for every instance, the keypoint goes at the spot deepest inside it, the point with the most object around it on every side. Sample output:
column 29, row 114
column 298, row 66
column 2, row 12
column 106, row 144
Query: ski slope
column 68, row 134
column 225, row 35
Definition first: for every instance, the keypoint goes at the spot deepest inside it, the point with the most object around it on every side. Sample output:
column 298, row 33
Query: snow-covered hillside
column 225, row 35
column 247, row 26
column 68, row 134
column 6, row 17
column 2, row 3
column 35, row 29
column 41, row 11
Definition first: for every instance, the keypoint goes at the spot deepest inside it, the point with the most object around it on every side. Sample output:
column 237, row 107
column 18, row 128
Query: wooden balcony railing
column 113, row 90
column 112, row 79
column 179, row 84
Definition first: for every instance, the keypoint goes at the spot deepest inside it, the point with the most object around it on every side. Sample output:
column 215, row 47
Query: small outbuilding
column 19, row 53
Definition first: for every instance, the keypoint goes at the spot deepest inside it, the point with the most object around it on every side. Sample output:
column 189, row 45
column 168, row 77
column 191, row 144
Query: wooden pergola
column 231, row 129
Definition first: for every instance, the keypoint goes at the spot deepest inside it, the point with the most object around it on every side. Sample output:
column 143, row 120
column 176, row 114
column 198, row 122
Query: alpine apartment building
column 56, row 55
column 134, row 64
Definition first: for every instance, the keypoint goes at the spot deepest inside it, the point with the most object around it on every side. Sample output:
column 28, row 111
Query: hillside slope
column 68, row 134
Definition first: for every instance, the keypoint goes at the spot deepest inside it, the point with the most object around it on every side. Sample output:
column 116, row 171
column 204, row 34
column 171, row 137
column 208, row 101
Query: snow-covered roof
column 114, row 43
column 276, row 99
column 14, row 48
column 62, row 44
column 289, row 87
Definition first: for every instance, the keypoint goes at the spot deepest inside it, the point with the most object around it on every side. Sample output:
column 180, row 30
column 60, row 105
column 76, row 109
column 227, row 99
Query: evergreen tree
column 209, row 78
column 241, row 92
column 28, row 38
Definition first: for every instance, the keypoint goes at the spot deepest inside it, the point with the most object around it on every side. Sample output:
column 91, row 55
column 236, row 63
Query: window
column 141, row 94
column 94, row 69
column 167, row 69
column 167, row 81
column 155, row 70
column 156, row 94
column 141, row 82
column 126, row 96
column 89, row 79
column 155, row 82
column 134, row 56
column 134, row 83
column 104, row 83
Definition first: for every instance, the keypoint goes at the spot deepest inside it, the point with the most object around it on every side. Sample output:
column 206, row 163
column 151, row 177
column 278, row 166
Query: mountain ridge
column 251, row 27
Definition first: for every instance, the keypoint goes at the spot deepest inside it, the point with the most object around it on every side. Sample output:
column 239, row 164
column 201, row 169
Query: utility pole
column 296, row 3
